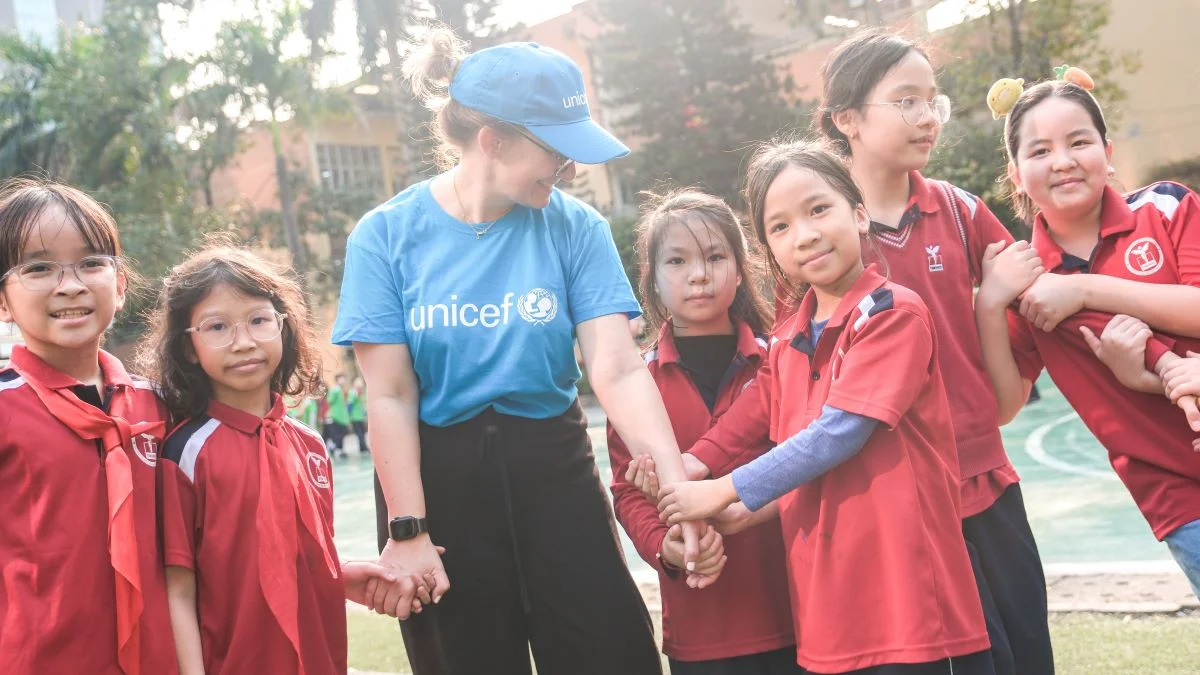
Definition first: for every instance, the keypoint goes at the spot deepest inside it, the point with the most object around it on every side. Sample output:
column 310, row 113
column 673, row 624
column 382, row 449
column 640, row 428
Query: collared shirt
column 936, row 249
column 58, row 607
column 746, row 610
column 210, row 495
column 1151, row 235
column 879, row 568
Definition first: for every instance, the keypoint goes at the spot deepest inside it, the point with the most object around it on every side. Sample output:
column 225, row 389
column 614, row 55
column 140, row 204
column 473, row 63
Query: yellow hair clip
column 1075, row 75
column 1003, row 95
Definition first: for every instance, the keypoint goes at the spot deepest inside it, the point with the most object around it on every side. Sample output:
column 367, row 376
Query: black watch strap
column 407, row 527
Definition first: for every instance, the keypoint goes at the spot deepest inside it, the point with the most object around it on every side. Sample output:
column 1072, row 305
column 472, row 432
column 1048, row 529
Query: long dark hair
column 1023, row 206
column 851, row 72
column 164, row 355
column 693, row 206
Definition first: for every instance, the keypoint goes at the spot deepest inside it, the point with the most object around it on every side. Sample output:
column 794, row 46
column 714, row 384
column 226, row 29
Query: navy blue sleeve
column 831, row 439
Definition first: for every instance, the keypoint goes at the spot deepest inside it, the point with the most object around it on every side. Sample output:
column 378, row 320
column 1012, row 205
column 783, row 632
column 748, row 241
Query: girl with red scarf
column 253, row 579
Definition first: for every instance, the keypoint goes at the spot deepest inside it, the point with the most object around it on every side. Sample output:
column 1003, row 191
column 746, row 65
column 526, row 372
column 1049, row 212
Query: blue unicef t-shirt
column 489, row 321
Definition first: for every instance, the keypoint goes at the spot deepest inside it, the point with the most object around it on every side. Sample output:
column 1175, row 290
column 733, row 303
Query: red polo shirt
column 746, row 610
column 210, row 495
column 1151, row 235
column 879, row 569
column 58, row 597
column 937, row 251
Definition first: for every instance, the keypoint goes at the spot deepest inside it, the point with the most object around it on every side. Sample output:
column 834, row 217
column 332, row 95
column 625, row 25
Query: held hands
column 1181, row 383
column 396, row 594
column 734, row 519
column 416, row 560
column 1008, row 272
column 709, row 561
column 1122, row 347
column 695, row 500
column 641, row 473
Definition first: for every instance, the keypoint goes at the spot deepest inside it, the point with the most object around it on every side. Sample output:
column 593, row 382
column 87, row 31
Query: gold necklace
column 476, row 227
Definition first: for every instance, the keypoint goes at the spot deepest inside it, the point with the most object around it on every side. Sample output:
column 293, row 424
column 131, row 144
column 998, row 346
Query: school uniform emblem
column 145, row 447
column 1144, row 257
column 318, row 470
column 934, row 254
column 538, row 307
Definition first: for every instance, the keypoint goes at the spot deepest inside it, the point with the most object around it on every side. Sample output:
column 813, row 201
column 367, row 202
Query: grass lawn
column 1084, row 644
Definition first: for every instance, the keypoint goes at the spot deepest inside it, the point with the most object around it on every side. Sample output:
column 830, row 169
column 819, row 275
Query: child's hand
column 1050, row 299
column 709, row 562
column 641, row 475
column 1181, row 383
column 693, row 468
column 1122, row 347
column 1182, row 377
column 400, row 592
column 734, row 519
column 695, row 500
column 1008, row 272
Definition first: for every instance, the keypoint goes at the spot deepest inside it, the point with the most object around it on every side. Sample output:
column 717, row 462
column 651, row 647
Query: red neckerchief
column 284, row 490
column 114, row 433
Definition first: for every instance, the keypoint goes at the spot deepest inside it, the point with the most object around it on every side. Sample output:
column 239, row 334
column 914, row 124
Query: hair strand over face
column 691, row 206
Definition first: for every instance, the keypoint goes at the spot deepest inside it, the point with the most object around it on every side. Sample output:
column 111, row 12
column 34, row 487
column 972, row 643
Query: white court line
column 1036, row 450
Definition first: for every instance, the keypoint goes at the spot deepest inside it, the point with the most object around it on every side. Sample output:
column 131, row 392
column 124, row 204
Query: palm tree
column 29, row 139
column 266, row 83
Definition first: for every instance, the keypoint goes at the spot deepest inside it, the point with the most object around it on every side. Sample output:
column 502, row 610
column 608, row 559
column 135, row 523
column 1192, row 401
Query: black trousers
column 531, row 552
column 1012, row 586
column 360, row 430
column 336, row 433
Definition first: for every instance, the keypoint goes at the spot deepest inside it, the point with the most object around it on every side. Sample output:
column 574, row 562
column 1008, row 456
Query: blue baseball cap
column 538, row 88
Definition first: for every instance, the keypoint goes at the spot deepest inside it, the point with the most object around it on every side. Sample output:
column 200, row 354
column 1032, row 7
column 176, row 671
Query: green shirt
column 338, row 412
column 358, row 405
column 306, row 413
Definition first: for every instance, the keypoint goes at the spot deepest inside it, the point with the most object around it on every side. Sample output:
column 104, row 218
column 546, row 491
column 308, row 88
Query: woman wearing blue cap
column 462, row 297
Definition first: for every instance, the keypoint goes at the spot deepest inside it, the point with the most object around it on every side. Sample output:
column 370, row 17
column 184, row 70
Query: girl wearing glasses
column 462, row 298
column 83, row 591
column 881, row 110
column 253, row 579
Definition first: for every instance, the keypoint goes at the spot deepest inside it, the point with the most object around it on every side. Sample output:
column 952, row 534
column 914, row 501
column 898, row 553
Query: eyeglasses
column 914, row 108
column 563, row 161
column 218, row 332
column 46, row 275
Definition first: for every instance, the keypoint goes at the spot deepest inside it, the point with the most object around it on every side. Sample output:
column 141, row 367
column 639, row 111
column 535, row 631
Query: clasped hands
column 692, row 501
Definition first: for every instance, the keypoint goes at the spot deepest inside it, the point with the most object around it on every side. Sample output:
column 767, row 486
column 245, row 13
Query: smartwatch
column 407, row 527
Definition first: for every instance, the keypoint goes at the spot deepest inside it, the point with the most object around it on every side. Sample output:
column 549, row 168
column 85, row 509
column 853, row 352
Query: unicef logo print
column 538, row 307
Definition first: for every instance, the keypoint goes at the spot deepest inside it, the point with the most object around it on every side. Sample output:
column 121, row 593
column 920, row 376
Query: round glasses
column 218, row 332
column 914, row 108
column 46, row 275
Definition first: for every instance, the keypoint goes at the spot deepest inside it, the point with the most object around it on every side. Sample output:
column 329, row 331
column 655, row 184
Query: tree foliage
column 683, row 78
column 1015, row 38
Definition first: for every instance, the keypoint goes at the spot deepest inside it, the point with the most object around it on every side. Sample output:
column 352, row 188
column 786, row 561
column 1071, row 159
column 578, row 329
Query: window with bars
column 350, row 166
